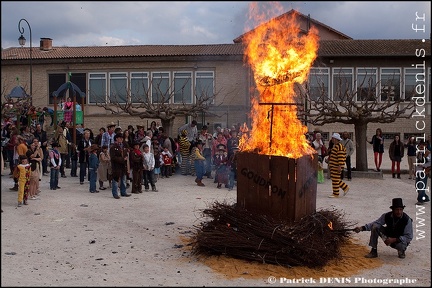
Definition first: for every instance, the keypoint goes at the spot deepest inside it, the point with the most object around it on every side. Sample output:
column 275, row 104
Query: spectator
column 192, row 130
column 396, row 153
column 378, row 148
column 349, row 147
column 411, row 156
column 108, row 136
column 207, row 142
column 93, row 167
column 119, row 155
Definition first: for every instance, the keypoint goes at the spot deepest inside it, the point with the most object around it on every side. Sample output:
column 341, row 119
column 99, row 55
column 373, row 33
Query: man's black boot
column 372, row 254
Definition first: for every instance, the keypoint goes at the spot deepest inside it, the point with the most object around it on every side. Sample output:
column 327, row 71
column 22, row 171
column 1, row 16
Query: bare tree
column 15, row 106
column 160, row 101
column 368, row 102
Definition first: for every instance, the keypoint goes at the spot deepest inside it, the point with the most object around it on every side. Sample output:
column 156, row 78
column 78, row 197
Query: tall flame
column 279, row 56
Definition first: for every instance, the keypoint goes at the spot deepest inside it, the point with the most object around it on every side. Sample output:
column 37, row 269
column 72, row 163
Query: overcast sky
column 109, row 23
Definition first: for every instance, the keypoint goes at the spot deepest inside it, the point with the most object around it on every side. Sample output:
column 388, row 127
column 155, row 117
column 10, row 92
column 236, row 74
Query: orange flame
column 280, row 56
column 330, row 225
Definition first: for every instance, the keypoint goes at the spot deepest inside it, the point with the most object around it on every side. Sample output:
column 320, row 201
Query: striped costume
column 185, row 166
column 337, row 159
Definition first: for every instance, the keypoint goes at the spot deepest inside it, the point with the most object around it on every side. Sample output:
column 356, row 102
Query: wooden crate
column 277, row 186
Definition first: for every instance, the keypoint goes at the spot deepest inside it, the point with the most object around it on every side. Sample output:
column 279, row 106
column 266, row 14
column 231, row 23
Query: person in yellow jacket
column 199, row 162
column 336, row 162
column 23, row 180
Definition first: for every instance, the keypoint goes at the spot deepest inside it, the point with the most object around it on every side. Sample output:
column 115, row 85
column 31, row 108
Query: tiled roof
column 327, row 48
column 370, row 48
column 123, row 51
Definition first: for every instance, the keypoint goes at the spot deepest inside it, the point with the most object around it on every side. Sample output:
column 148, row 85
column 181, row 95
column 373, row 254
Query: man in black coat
column 119, row 155
column 394, row 227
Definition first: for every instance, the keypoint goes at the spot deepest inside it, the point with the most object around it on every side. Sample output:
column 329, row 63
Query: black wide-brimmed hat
column 94, row 147
column 221, row 147
column 397, row 203
column 118, row 135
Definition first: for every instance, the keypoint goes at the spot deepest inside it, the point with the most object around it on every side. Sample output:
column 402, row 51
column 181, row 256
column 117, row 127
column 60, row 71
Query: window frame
column 337, row 71
column 198, row 78
column 326, row 73
column 415, row 82
column 134, row 77
column 112, row 77
column 358, row 74
column 167, row 92
column 395, row 97
column 183, row 87
column 89, row 92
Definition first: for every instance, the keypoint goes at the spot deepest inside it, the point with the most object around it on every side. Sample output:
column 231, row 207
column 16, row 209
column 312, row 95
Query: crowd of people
column 338, row 159
column 117, row 159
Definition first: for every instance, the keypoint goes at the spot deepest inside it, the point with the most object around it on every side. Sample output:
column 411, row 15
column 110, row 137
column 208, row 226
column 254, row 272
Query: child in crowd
column 104, row 170
column 167, row 159
column 55, row 164
column 93, row 167
column 157, row 169
column 220, row 161
column 199, row 162
column 136, row 158
column 24, row 169
column 149, row 164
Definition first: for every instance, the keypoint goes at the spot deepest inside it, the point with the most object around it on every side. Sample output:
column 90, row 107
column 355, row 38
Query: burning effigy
column 275, row 218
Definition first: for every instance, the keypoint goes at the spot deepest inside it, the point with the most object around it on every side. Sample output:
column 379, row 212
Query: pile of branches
column 235, row 232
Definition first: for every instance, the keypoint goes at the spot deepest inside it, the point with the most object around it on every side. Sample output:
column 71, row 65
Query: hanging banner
column 60, row 116
column 79, row 117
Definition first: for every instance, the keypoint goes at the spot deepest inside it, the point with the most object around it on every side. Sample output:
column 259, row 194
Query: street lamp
column 22, row 41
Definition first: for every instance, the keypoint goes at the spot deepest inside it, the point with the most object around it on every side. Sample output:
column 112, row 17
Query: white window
column 413, row 76
column 118, row 87
column 139, row 89
column 97, row 91
column 160, row 87
column 319, row 83
column 183, row 87
column 366, row 84
column 342, row 83
column 390, row 84
column 204, row 86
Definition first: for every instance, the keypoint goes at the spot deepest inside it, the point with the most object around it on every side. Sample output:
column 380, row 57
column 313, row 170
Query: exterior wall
column 231, row 84
column 232, row 81
column 401, row 126
column 323, row 33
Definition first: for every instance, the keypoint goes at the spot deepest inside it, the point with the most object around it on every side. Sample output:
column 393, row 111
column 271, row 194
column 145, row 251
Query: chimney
column 46, row 44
